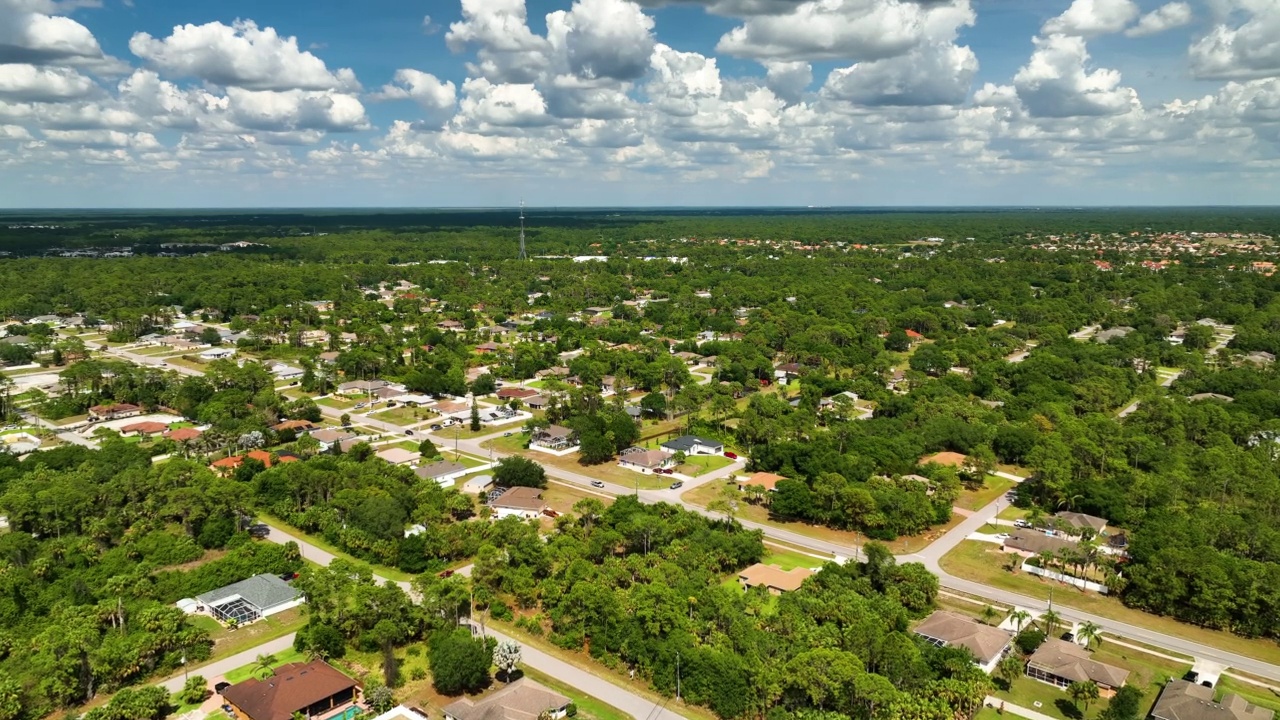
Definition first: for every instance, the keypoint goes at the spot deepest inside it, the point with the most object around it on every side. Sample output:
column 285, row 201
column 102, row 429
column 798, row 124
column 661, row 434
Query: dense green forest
column 963, row 345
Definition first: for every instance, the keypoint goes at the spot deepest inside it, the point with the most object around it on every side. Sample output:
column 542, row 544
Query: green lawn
column 216, row 715
column 334, row 401
column 696, row 465
column 1254, row 694
column 241, row 674
column 513, row 444
column 788, row 560
column 1053, row 701
column 403, row 415
column 982, row 562
column 993, row 488
column 587, row 705
column 229, row 642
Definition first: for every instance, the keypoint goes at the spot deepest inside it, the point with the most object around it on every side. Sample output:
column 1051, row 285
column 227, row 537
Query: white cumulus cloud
column 1056, row 82
column 240, row 55
column 930, row 75
column 1088, row 18
column 1165, row 17
column 438, row 98
column 29, row 83
column 1250, row 50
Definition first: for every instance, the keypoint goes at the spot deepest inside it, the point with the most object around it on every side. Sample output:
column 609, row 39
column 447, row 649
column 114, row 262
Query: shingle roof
column 1070, row 661
column 647, row 458
column 520, row 498
column 263, row 591
column 439, row 469
column 952, row 630
column 293, row 687
column 773, row 577
column 1035, row 542
column 685, row 443
column 523, row 699
column 1082, row 521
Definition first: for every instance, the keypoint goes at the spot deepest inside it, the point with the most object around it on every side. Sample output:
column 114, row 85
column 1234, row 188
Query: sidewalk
column 1008, row 707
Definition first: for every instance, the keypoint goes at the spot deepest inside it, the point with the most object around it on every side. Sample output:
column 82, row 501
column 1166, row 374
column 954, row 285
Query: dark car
column 436, row 428
column 677, row 485
column 446, row 573
column 289, row 576
column 259, row 531
column 408, row 432
column 221, row 686
column 597, row 483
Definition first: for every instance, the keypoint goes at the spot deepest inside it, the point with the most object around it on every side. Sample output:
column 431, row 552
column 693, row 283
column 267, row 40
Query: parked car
column 597, row 483
column 506, row 434
column 677, row 485
column 436, row 427
column 446, row 573
column 259, row 530
column 360, row 405
column 408, row 432
column 1002, row 536
column 1021, row 523
column 731, row 455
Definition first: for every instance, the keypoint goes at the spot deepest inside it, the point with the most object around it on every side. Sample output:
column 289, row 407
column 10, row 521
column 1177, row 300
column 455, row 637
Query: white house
column 523, row 502
column 218, row 353
column 693, row 445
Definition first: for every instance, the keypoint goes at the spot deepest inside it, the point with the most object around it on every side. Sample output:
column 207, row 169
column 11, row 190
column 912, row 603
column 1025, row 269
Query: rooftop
column 523, row 699
column 293, row 687
column 952, row 630
column 263, row 591
column 766, row 480
column 520, row 498
column 774, row 577
column 1070, row 661
column 1182, row 700
column 439, row 469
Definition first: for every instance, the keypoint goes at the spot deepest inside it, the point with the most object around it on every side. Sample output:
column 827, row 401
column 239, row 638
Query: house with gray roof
column 947, row 629
column 1061, row 663
column 250, row 599
column 1182, row 700
column 523, row 699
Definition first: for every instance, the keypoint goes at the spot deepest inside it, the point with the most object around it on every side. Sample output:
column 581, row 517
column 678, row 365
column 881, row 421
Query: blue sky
column 644, row 102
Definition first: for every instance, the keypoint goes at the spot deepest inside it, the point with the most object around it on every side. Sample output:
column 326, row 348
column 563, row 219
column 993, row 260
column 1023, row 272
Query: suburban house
column 398, row 456
column 250, row 599
column 218, row 353
column 645, row 461
column 523, row 699
column 114, row 411
column 947, row 629
column 330, row 357
column 361, row 387
column 1260, row 357
column 442, row 473
column 554, row 437
column 450, row 325
column 766, row 480
column 1182, row 700
column 1080, row 522
column 773, row 578
column 787, row 372
column 144, row 428
column 1030, row 543
column 1061, row 663
column 312, row 689
column 536, row 402
column 693, row 445
column 329, row 437
column 286, row 372
column 183, row 434
column 524, row 502
column 1201, row 397
column 1114, row 333
column 227, row 464
column 294, row 425
column 478, row 485
column 516, row 393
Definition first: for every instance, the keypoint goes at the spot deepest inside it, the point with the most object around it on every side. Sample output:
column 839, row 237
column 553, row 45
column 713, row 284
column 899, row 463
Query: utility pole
column 677, row 675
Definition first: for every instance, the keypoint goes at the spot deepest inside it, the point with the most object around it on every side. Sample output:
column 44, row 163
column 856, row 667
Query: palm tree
column 1090, row 633
column 988, row 614
column 1085, row 692
column 1050, row 620
column 1008, row 670
column 264, row 663
column 1019, row 618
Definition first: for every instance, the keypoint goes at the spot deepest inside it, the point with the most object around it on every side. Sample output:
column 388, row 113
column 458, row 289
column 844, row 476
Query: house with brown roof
column 523, row 502
column 313, row 689
column 294, row 425
column 1080, row 522
column 398, row 456
column 523, row 699
column 555, row 438
column 773, row 578
column 947, row 629
column 144, row 428
column 516, row 393
column 183, row 434
column 443, row 473
column 227, row 464
column 114, row 411
column 766, row 480
column 1182, row 700
column 645, row 461
column 1030, row 543
column 1061, row 663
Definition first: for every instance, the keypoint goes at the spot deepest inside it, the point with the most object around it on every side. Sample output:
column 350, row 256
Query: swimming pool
column 348, row 714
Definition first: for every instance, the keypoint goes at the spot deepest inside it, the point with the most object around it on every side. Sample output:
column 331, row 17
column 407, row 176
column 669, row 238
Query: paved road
column 600, row 688
column 929, row 556
column 222, row 667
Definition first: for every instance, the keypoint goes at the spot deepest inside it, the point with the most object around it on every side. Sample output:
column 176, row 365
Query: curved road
column 930, row 557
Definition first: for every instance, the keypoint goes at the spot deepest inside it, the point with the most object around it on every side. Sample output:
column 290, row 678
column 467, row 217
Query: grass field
column 241, row 674
column 562, row 498
column 698, row 465
column 976, row 561
column 994, row 487
column 1258, row 696
column 403, row 415
column 337, row 402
